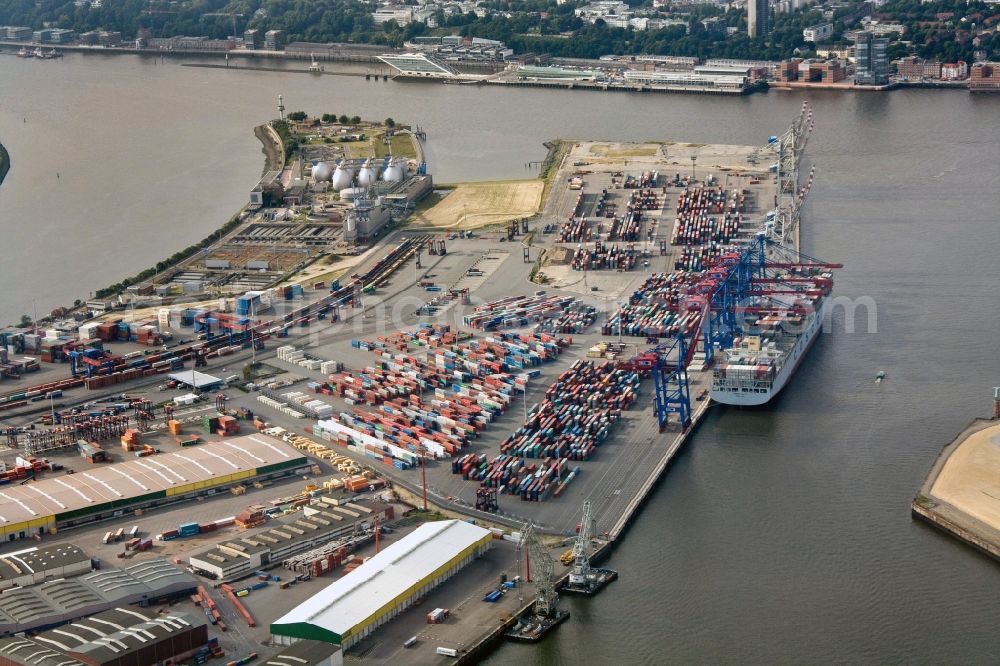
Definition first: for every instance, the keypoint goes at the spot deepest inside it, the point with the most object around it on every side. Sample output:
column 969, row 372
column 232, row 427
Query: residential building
column 915, row 69
column 871, row 59
column 17, row 32
column 984, row 77
column 817, row 33
column 758, row 18
column 787, row 70
column 274, row 40
column 882, row 29
column 253, row 39
column 954, row 71
column 403, row 15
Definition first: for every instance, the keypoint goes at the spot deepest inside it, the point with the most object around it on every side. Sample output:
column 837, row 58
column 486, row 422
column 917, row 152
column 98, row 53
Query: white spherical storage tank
column 321, row 172
column 342, row 178
column 393, row 173
column 367, row 176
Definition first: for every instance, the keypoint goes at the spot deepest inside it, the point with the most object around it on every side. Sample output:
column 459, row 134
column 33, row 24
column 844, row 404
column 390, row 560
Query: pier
column 958, row 495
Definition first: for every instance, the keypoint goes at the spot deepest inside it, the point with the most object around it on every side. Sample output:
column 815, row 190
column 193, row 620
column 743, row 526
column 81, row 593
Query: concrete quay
column 961, row 495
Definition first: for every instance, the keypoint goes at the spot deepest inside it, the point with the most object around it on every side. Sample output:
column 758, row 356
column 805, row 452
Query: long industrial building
column 319, row 524
column 125, row 636
column 37, row 565
column 349, row 609
column 109, row 490
column 308, row 653
column 58, row 601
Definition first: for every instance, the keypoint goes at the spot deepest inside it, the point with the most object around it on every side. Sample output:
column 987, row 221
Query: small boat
column 880, row 376
column 315, row 67
column 38, row 53
column 24, row 53
column 54, row 54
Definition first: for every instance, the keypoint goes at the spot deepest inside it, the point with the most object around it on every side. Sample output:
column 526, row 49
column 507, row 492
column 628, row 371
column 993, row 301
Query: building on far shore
column 872, row 59
column 915, row 69
column 758, row 18
column 253, row 39
column 274, row 40
column 18, row 33
column 817, row 33
column 954, row 71
column 985, row 77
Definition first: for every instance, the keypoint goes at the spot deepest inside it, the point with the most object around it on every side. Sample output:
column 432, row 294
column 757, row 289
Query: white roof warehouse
column 70, row 499
column 349, row 609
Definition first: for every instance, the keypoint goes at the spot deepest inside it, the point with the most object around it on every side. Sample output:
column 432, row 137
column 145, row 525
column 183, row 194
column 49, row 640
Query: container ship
column 762, row 361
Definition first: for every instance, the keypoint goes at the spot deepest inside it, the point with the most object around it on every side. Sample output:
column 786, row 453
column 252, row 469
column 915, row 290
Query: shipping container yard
column 269, row 447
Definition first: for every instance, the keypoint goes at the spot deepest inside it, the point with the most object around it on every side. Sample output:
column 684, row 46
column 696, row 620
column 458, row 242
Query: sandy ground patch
column 472, row 205
column 970, row 479
column 606, row 150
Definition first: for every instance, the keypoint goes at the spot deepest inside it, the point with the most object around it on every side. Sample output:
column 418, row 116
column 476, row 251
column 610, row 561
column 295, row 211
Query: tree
column 344, row 120
column 355, row 120
column 297, row 116
column 25, row 321
column 390, row 123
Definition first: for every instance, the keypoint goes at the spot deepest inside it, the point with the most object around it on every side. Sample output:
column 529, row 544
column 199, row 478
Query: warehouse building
column 58, row 601
column 308, row 653
column 321, row 523
column 121, row 636
column 111, row 490
column 37, row 565
column 351, row 608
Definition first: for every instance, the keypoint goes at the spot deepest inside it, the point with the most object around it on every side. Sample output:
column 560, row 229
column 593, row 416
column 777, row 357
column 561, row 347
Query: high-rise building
column 871, row 59
column 758, row 18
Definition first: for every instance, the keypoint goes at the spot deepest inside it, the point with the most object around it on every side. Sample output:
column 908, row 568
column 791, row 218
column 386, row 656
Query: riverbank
column 4, row 163
column 961, row 495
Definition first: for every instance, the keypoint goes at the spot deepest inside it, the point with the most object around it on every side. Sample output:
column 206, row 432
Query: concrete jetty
column 962, row 492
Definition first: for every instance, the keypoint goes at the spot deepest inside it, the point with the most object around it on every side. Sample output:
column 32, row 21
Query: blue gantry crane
column 739, row 285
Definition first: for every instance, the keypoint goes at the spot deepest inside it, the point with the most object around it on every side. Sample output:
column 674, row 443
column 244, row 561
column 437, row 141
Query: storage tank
column 351, row 193
column 350, row 225
column 321, row 172
column 342, row 177
column 393, row 173
column 367, row 176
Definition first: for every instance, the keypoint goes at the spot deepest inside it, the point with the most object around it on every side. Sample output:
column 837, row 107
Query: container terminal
column 411, row 415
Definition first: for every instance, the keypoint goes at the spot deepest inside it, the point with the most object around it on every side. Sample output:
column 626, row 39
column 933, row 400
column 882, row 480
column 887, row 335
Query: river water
column 780, row 536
